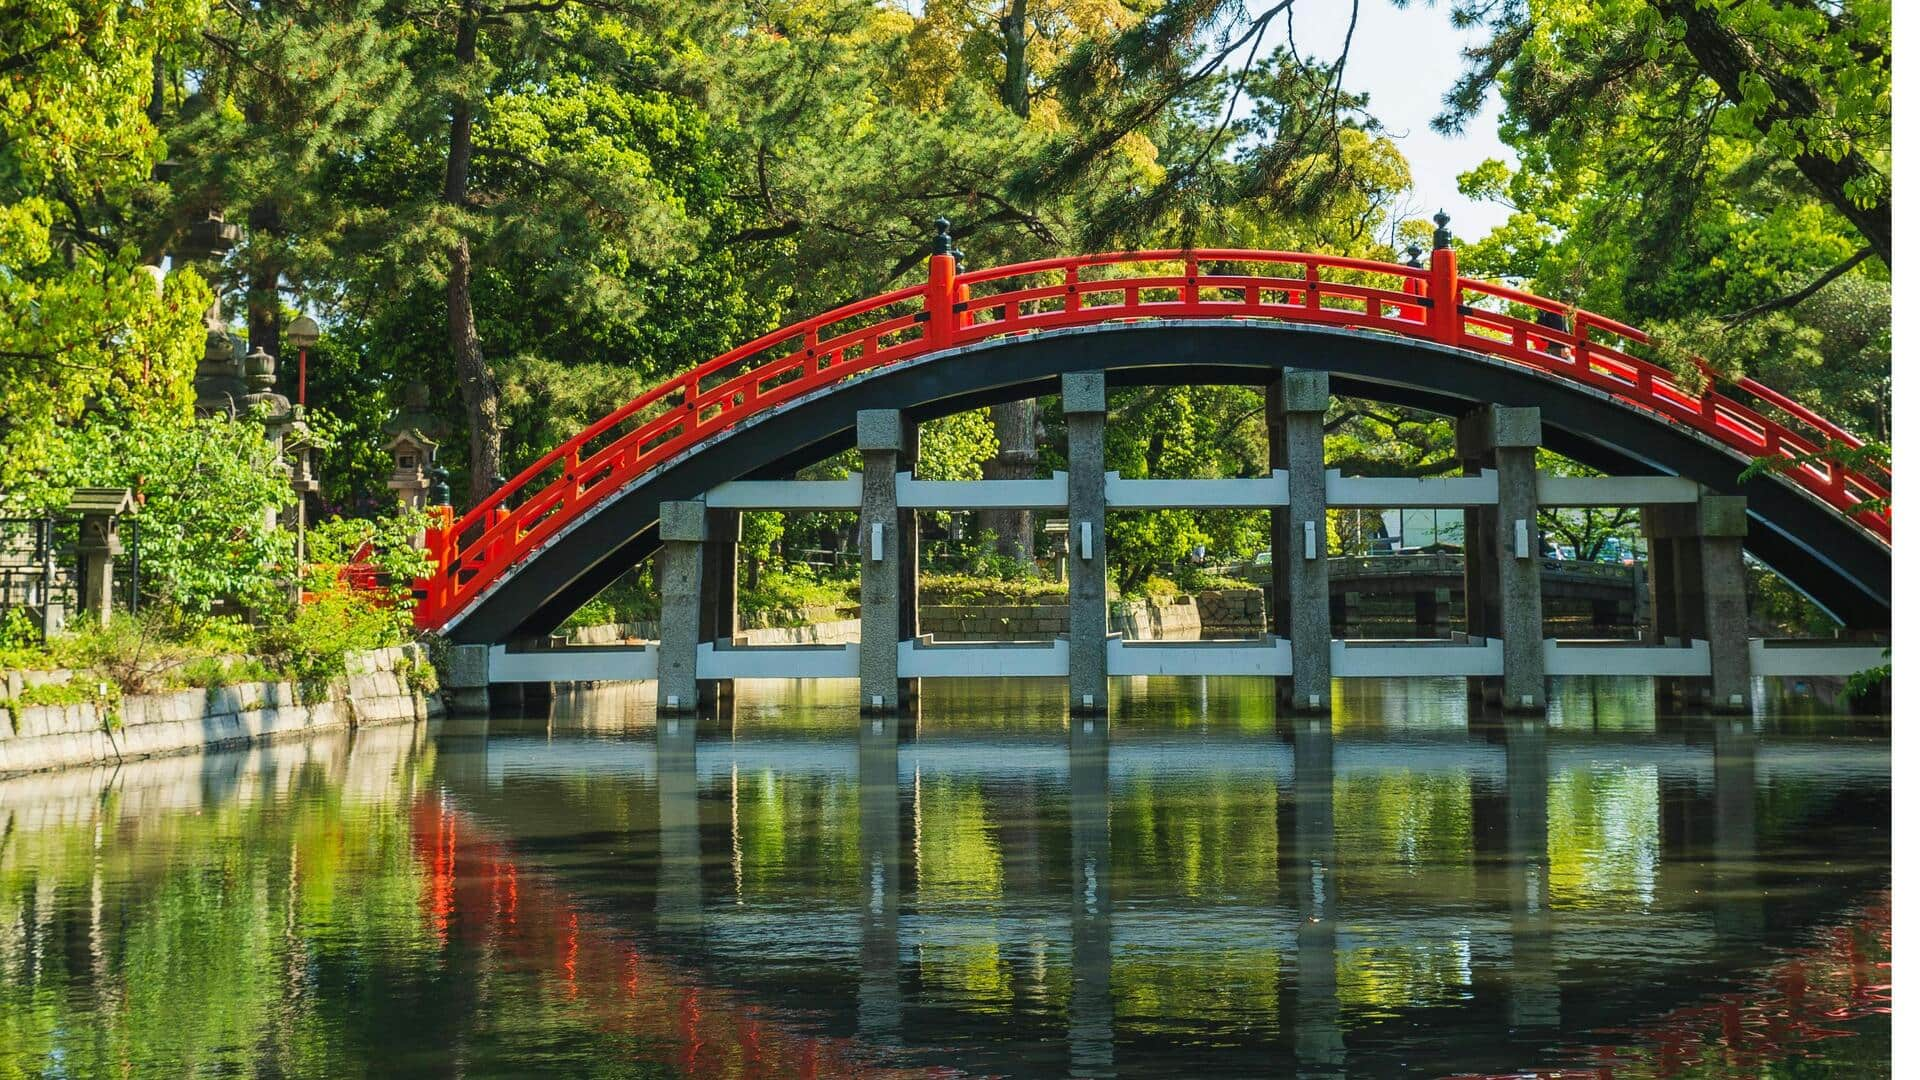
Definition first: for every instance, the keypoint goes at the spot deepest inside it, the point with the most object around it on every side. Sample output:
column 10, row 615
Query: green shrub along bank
column 306, row 641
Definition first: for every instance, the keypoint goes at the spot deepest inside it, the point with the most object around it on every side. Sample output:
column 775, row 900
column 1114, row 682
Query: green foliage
column 784, row 591
column 973, row 589
column 1660, row 185
column 632, row 598
column 311, row 643
column 82, row 323
column 204, row 491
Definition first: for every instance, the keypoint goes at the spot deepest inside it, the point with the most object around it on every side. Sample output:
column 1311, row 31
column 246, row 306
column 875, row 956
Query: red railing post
column 939, row 296
column 1443, row 285
column 431, row 610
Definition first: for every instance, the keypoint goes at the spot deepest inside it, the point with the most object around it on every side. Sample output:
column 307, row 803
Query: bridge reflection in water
column 1399, row 884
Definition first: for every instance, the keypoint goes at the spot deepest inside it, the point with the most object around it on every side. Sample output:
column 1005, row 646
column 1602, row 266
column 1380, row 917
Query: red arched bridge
column 523, row 559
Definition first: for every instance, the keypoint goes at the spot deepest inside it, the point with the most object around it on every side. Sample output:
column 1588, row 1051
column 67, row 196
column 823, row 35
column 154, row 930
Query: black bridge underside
column 1818, row 551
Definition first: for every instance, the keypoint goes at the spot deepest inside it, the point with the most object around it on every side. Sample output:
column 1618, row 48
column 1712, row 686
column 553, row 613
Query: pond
column 1405, row 888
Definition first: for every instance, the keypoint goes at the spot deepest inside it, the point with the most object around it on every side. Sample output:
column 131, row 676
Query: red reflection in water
column 1785, row 1011
column 476, row 894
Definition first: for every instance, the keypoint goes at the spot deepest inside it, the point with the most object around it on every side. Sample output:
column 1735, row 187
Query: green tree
column 82, row 323
column 205, row 492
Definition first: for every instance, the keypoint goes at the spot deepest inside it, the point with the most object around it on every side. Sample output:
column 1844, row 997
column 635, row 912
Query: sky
column 1405, row 59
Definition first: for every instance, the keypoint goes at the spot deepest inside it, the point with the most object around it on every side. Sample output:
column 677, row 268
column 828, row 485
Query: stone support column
column 466, row 679
column 683, row 534
column 880, row 436
column 908, row 590
column 1083, row 397
column 719, row 594
column 1296, row 440
column 1697, row 582
column 1503, row 551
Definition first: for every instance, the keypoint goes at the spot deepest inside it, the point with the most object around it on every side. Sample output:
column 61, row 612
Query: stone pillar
column 1090, row 1044
column 466, row 679
column 1503, row 551
column 1697, row 582
column 879, row 432
column 99, row 543
column 719, row 595
column 908, row 591
column 1083, row 397
column 683, row 532
column 1296, row 418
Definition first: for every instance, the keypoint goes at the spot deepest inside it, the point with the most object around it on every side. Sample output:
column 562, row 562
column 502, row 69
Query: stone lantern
column 412, row 442
column 99, row 510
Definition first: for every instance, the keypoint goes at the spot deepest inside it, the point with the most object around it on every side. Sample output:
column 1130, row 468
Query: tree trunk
column 1013, row 84
column 1013, row 425
column 1014, row 421
column 478, row 388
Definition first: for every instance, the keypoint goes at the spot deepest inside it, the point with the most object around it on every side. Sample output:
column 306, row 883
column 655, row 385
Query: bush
column 973, row 589
column 310, row 643
column 790, row 588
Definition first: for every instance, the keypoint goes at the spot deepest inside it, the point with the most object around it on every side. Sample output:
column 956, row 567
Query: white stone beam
column 1384, row 661
column 1258, row 493
column 1443, row 492
column 1271, row 657
column 975, row 660
column 1813, row 658
column 916, row 494
column 1609, row 658
column 778, row 662
column 574, row 664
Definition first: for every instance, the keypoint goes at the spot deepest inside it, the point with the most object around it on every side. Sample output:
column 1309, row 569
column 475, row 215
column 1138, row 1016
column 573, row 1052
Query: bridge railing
column 950, row 309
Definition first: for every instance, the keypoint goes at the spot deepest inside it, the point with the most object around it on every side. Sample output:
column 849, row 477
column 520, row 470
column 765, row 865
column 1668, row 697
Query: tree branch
column 1781, row 303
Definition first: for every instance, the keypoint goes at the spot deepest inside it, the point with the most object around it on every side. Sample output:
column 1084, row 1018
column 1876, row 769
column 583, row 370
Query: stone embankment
column 383, row 686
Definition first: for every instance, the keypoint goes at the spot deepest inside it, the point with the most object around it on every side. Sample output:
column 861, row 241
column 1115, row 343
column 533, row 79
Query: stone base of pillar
column 1295, row 699
column 465, row 679
column 468, row 701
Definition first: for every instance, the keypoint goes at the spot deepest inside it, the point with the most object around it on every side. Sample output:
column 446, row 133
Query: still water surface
column 1194, row 889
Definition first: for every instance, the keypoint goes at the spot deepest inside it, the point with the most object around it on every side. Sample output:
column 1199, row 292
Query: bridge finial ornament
column 1413, row 256
column 943, row 238
column 1442, row 239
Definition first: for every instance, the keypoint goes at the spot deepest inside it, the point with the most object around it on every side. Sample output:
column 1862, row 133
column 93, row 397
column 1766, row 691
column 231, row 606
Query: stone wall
column 994, row 622
column 1159, row 618
column 834, row 632
column 379, row 688
column 1227, row 612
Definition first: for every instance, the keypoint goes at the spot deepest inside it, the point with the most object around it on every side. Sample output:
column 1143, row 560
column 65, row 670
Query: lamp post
column 301, row 335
